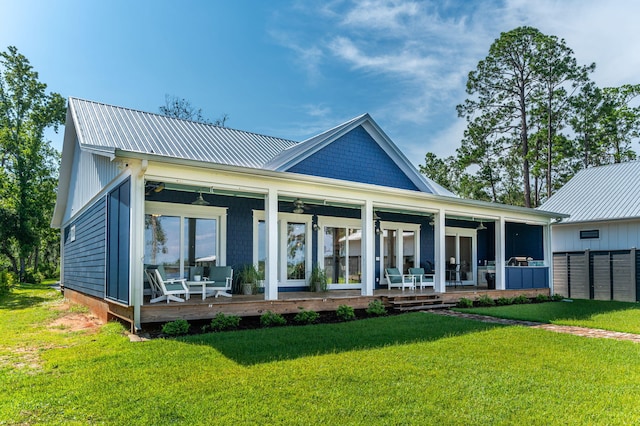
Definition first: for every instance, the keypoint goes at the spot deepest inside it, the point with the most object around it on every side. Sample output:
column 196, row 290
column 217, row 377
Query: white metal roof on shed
column 599, row 193
column 107, row 128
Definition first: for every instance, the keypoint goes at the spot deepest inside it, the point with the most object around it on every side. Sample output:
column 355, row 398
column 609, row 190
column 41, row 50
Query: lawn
column 408, row 369
column 615, row 316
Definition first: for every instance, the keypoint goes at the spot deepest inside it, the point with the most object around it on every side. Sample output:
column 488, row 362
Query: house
column 138, row 188
column 594, row 249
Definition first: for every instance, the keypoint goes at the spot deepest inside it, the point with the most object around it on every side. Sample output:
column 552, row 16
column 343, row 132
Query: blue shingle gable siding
column 85, row 257
column 355, row 157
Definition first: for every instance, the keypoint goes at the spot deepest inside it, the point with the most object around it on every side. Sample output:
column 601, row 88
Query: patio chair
column 223, row 277
column 421, row 278
column 396, row 279
column 163, row 289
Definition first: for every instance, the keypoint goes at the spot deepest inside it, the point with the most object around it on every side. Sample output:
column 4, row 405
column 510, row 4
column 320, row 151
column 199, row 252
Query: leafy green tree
column 519, row 105
column 441, row 171
column 28, row 162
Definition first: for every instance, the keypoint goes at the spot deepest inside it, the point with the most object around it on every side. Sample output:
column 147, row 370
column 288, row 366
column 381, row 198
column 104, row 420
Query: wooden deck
column 288, row 303
column 291, row 302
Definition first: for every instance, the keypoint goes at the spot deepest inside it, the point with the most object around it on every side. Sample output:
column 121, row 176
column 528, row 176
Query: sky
column 293, row 69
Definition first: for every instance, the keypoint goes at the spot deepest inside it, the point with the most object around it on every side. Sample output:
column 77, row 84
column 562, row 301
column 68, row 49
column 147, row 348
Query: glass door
column 460, row 252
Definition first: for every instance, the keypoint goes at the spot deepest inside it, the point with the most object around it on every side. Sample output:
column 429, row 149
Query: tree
column 28, row 162
column 520, row 98
column 181, row 108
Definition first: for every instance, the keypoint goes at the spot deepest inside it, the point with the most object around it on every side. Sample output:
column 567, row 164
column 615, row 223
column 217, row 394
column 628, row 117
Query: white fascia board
column 258, row 180
column 64, row 174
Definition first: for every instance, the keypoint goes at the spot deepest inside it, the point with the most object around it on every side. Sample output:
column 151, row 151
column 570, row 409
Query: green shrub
column 271, row 319
column 7, row 281
column 33, row 277
column 521, row 300
column 376, row 308
column 306, row 317
column 504, row 301
column 486, row 300
column 176, row 328
column 465, row 303
column 557, row 297
column 542, row 298
column 345, row 313
column 221, row 322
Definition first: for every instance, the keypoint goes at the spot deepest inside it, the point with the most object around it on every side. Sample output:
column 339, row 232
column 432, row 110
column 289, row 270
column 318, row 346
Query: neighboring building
column 595, row 248
column 138, row 188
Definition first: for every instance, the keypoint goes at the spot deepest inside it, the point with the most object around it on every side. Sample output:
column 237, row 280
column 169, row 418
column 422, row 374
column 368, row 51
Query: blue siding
column 85, row 258
column 355, row 157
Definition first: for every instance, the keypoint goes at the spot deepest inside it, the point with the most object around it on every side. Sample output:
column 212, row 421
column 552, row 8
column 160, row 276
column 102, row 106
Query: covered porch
column 354, row 231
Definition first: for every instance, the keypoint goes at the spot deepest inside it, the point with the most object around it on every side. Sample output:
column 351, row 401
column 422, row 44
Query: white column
column 136, row 246
column 440, row 283
column 271, row 267
column 500, row 253
column 548, row 253
column 368, row 249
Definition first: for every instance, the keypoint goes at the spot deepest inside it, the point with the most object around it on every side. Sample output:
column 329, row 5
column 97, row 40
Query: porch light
column 481, row 227
column 200, row 201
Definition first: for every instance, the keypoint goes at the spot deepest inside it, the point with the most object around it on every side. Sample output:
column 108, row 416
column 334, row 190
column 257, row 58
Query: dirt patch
column 72, row 320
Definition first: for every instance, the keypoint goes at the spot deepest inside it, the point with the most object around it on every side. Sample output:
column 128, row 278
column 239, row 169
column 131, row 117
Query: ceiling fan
column 299, row 206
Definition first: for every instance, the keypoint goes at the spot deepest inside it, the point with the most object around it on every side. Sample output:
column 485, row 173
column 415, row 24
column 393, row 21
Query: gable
column 355, row 157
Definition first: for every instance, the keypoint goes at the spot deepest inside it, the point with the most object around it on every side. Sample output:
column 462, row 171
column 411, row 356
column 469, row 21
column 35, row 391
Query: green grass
column 615, row 316
column 409, row 369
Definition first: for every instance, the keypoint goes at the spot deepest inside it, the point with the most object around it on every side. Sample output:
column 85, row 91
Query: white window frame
column 400, row 228
column 196, row 212
column 466, row 232
column 339, row 222
column 283, row 219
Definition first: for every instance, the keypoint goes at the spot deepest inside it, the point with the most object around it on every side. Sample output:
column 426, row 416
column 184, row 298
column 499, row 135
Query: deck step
column 425, row 307
column 415, row 302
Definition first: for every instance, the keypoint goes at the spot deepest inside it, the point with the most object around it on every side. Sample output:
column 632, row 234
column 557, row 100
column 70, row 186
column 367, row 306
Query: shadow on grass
column 578, row 309
column 265, row 345
column 23, row 296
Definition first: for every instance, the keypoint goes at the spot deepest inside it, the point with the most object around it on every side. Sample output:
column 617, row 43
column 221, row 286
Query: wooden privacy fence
column 598, row 275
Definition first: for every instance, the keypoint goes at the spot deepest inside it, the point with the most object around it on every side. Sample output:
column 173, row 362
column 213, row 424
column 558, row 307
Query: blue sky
column 295, row 68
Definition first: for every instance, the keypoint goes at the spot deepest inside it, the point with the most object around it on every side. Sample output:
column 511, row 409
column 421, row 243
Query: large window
column 179, row 237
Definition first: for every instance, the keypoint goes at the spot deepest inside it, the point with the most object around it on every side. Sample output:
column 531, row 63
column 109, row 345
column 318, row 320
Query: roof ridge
column 179, row 119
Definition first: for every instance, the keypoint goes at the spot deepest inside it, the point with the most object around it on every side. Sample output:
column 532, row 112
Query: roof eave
column 337, row 182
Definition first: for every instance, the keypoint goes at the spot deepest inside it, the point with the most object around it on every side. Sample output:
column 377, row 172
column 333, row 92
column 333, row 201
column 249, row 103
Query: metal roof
column 599, row 193
column 107, row 128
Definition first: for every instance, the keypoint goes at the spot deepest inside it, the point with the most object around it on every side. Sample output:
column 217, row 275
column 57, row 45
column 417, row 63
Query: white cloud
column 419, row 53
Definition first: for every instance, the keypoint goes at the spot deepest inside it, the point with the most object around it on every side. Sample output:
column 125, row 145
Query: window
column 590, row 234
column 72, row 233
column 179, row 237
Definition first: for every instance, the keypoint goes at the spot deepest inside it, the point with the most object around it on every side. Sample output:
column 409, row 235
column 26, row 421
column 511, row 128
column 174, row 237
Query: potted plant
column 318, row 279
column 248, row 279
